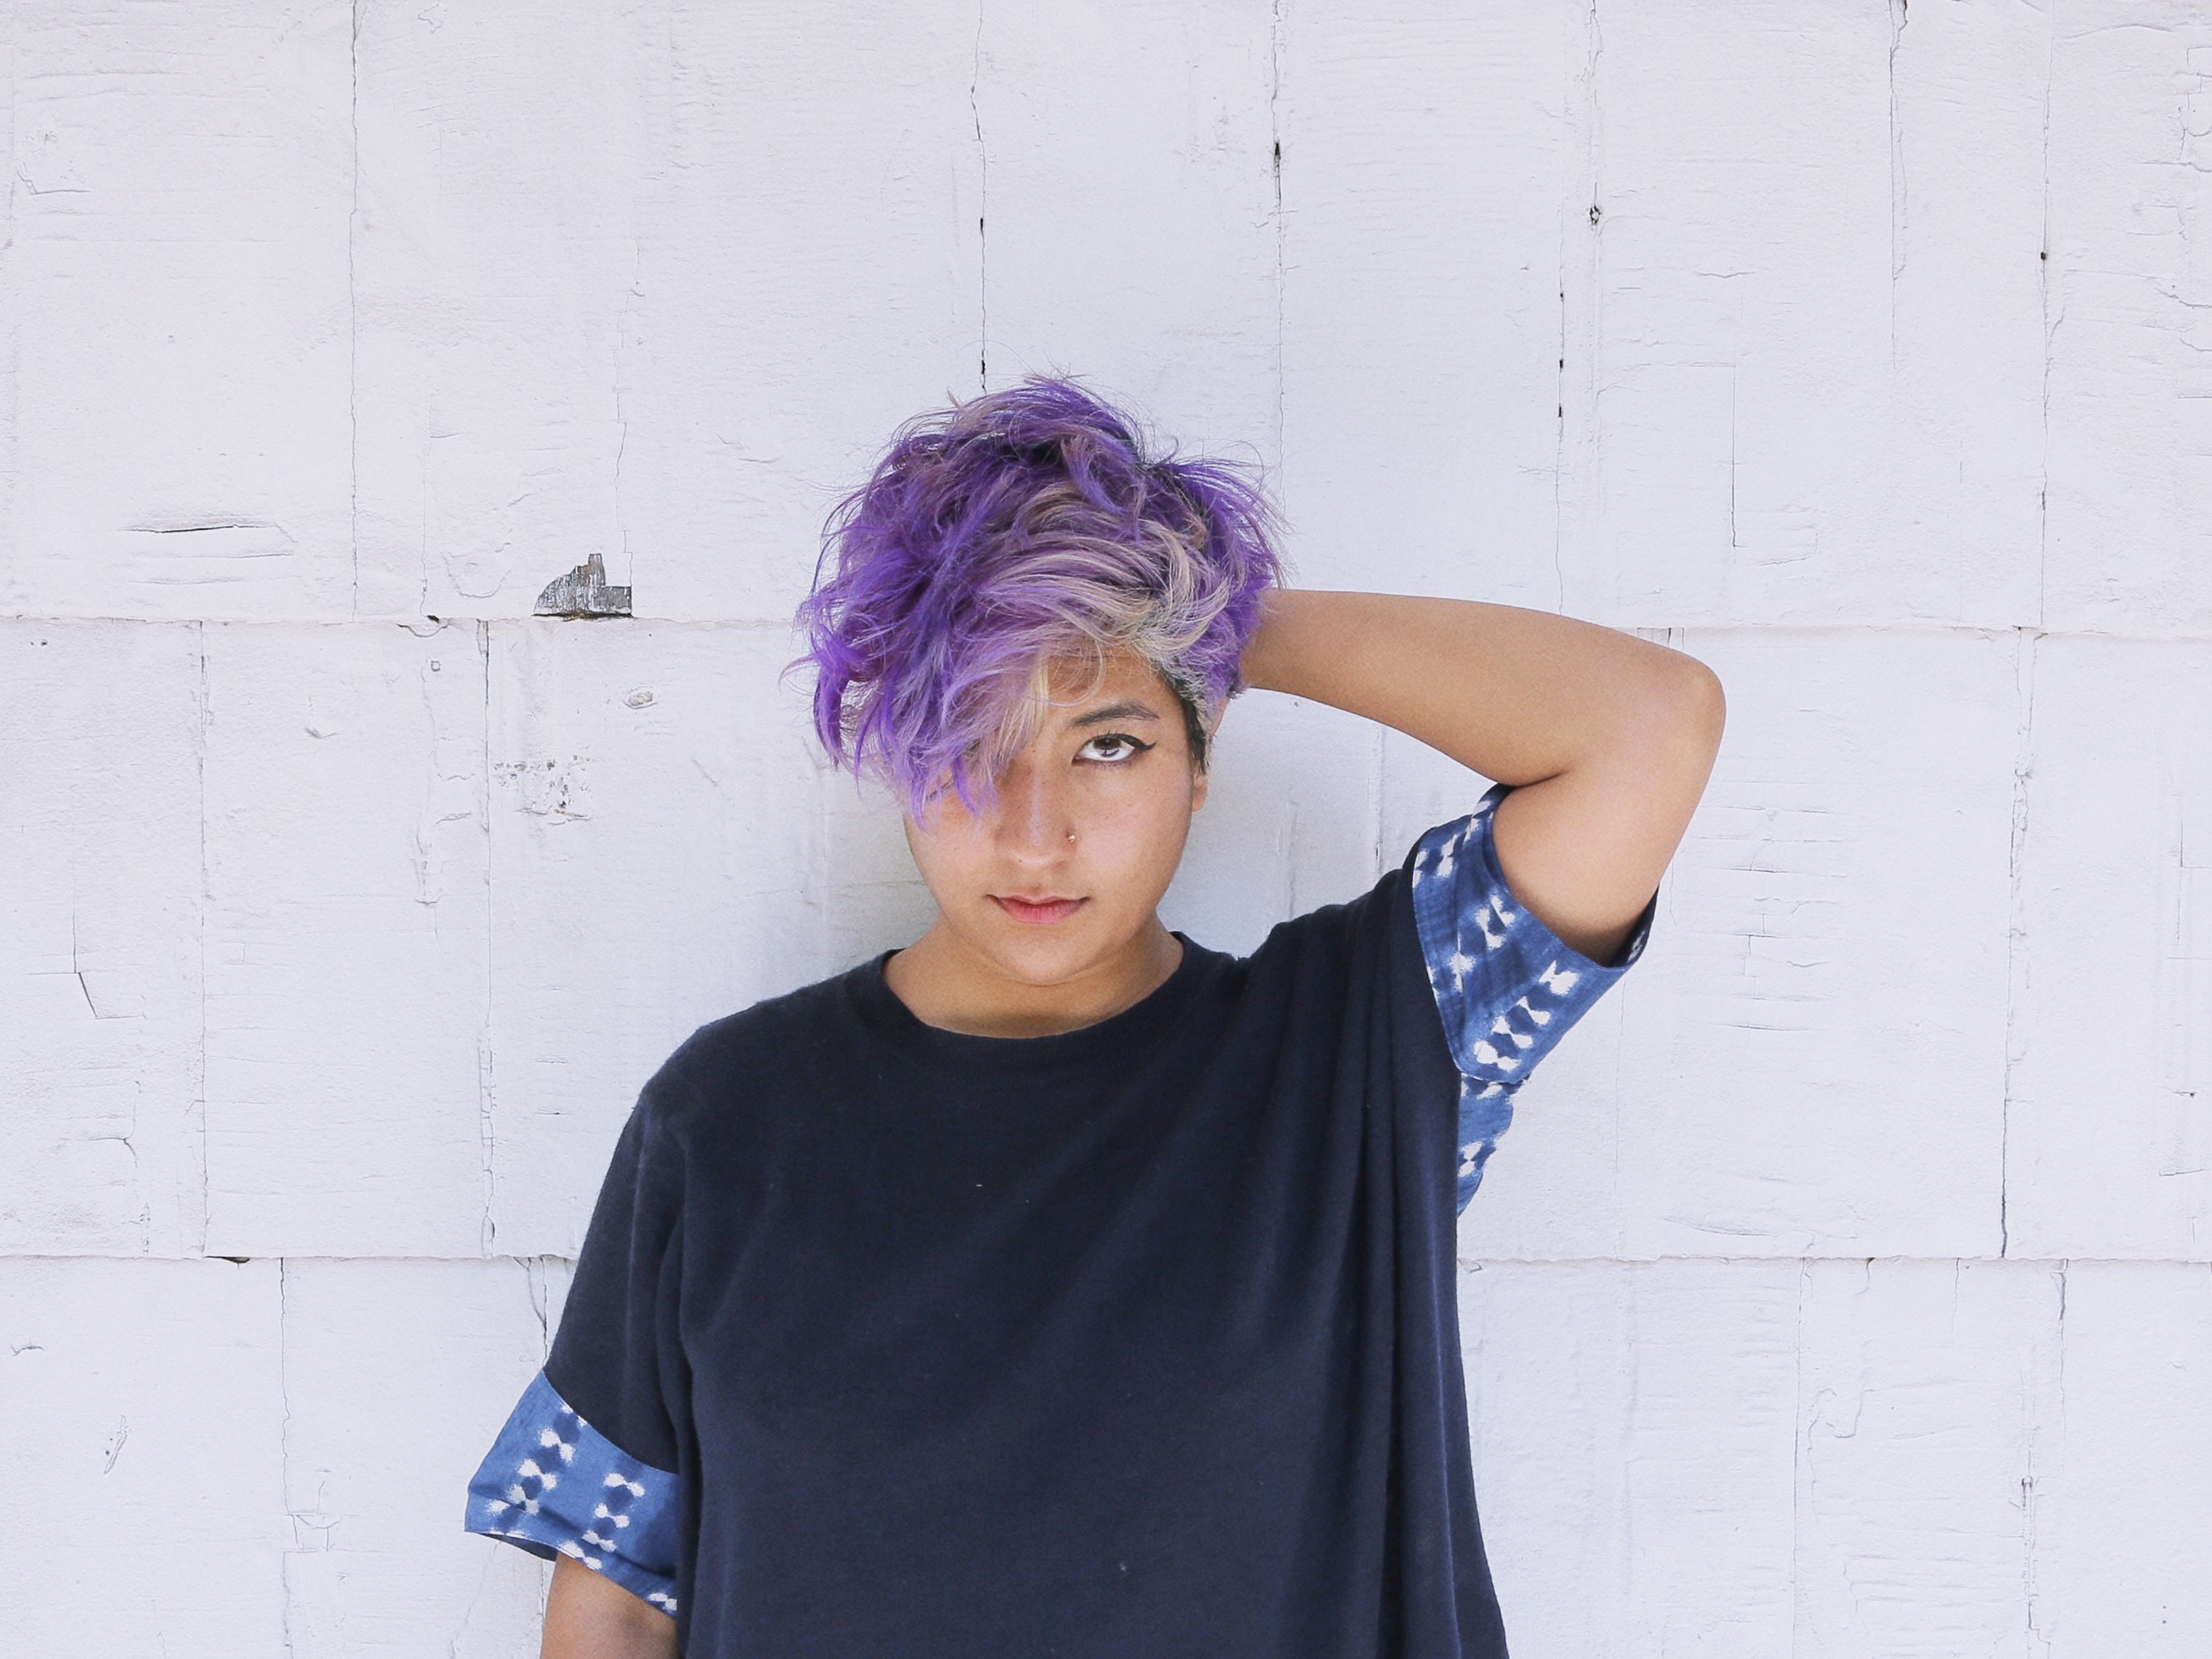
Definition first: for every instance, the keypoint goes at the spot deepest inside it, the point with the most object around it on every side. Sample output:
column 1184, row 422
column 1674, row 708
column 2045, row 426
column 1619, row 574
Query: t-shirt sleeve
column 587, row 1465
column 553, row 1484
column 1507, row 988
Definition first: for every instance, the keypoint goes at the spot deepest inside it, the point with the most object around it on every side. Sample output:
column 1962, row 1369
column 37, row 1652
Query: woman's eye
column 1112, row 747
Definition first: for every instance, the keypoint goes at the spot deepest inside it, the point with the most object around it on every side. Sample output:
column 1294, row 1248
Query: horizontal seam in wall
column 1464, row 1262
column 1702, row 630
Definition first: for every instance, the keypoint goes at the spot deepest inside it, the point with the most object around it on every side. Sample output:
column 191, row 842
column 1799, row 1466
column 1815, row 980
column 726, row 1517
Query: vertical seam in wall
column 353, row 312
column 284, row 1443
column 17, row 181
column 2030, row 1494
column 1275, row 135
column 2065, row 1278
column 486, row 1064
column 2026, row 642
column 630, row 296
column 1735, row 375
column 1635, row 1276
column 1897, row 21
column 1799, row 1440
column 2043, row 268
column 982, row 213
column 533, row 1285
column 1568, row 103
column 199, row 769
column 1578, row 253
column 1559, row 400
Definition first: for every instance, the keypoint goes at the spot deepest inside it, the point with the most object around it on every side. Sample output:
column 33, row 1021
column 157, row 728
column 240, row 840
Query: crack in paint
column 76, row 968
column 534, row 1279
column 199, row 529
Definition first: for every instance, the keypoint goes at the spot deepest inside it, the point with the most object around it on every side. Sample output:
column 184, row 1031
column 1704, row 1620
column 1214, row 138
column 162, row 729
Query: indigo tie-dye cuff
column 554, row 1485
column 1508, row 987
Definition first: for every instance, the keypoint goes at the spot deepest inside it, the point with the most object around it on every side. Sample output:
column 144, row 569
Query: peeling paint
column 584, row 591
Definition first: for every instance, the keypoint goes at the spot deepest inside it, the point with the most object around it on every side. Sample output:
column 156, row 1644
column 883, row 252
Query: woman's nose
column 1032, row 813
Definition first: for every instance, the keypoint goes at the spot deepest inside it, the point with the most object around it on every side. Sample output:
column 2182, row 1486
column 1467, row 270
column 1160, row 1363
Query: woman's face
column 1061, row 874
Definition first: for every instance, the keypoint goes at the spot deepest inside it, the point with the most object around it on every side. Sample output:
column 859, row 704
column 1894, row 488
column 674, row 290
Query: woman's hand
column 590, row 1617
column 1607, row 738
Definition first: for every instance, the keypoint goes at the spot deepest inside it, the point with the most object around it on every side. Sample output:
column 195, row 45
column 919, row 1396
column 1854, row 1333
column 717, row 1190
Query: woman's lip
column 1038, row 912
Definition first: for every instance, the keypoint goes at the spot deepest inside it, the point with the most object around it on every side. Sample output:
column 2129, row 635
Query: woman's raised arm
column 1607, row 738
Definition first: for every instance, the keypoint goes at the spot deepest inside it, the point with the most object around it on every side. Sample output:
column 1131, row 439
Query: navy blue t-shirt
column 1140, row 1339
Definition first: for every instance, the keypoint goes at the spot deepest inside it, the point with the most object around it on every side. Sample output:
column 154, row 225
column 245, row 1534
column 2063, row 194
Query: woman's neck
column 945, row 982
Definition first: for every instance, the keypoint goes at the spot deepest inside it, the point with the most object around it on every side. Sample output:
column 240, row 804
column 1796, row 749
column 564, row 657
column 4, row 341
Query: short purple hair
column 1004, row 533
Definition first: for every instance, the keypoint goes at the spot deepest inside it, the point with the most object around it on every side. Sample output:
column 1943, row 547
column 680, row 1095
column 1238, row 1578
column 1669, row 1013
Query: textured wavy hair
column 1004, row 535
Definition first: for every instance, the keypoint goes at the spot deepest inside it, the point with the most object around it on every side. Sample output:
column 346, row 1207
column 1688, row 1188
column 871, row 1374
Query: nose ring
column 1071, row 835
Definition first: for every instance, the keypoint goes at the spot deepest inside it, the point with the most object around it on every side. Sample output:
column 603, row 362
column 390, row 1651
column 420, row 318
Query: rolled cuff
column 554, row 1485
column 1507, row 988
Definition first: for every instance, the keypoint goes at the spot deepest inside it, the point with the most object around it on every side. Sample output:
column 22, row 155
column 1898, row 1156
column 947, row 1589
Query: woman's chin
column 1040, row 964
column 1041, row 956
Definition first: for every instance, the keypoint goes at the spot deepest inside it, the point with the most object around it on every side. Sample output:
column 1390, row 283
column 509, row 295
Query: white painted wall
column 1845, row 1288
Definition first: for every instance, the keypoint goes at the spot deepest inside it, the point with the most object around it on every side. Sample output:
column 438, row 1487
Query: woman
column 1055, row 1284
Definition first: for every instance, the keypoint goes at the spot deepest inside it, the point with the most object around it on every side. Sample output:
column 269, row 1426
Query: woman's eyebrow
column 1114, row 711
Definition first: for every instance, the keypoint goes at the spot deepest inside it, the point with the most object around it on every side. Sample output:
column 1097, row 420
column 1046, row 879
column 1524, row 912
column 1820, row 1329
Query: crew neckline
column 883, row 1013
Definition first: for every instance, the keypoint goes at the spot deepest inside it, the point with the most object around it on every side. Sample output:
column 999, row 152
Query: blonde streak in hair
column 1186, row 609
column 1109, row 575
column 1160, row 625
column 1098, row 597
column 1024, row 710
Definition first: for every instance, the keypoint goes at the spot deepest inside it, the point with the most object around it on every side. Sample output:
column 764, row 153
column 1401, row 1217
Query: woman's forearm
column 1609, row 738
column 589, row 1616
column 1518, row 696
